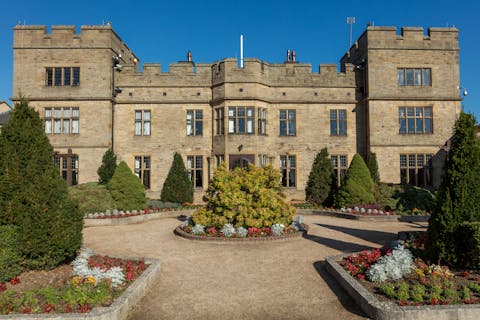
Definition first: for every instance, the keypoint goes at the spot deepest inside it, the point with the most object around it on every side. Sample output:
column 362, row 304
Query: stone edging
column 346, row 215
column 118, row 310
column 290, row 236
column 379, row 310
column 88, row 222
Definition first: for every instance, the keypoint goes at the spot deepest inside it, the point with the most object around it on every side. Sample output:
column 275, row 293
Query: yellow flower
column 91, row 280
column 77, row 280
column 420, row 272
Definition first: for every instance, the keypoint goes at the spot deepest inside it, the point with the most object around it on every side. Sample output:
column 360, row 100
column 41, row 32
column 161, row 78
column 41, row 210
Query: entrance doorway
column 240, row 160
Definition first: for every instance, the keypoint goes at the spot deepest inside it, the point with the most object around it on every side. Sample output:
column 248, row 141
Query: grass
column 92, row 197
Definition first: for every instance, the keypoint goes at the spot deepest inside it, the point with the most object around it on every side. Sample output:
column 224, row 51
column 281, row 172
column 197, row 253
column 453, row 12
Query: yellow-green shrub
column 245, row 197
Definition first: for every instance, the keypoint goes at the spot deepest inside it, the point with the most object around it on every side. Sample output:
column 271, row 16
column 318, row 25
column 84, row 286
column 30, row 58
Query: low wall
column 88, row 222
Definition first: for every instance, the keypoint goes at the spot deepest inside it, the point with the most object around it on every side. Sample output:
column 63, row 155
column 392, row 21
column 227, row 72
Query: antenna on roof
column 241, row 51
column 351, row 21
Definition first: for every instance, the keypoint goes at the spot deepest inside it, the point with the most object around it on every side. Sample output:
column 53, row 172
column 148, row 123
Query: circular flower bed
column 115, row 214
column 230, row 233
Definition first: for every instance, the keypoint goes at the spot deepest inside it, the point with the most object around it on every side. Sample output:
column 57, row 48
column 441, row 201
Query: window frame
column 409, row 122
column 235, row 120
column 195, row 122
column 220, row 121
column 337, row 123
column 62, row 76
column 410, row 164
column 407, row 77
column 51, row 118
column 340, row 167
column 286, row 169
column 286, row 129
column 262, row 121
column 195, row 173
column 143, row 170
column 68, row 165
column 141, row 122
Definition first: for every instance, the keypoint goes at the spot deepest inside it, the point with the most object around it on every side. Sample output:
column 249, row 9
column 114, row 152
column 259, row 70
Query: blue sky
column 163, row 31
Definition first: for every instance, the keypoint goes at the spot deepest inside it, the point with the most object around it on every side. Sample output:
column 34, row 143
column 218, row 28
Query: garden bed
column 49, row 292
column 363, row 217
column 259, row 236
column 136, row 218
column 377, row 306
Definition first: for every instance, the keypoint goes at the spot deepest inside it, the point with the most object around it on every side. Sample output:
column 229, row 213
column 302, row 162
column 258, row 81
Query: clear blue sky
column 163, row 31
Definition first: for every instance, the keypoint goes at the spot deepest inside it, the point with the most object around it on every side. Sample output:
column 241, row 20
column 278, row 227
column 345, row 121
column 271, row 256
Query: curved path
column 278, row 280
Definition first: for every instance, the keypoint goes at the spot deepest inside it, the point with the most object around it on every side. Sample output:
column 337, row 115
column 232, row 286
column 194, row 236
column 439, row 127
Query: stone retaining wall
column 135, row 219
column 345, row 215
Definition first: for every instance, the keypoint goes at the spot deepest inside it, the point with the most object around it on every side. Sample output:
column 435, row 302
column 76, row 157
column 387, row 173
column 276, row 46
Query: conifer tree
column 177, row 186
column 107, row 169
column 319, row 184
column 373, row 167
column 126, row 189
column 357, row 187
column 459, row 193
column 33, row 196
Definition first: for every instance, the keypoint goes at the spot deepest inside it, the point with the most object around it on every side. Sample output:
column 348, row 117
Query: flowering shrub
column 392, row 267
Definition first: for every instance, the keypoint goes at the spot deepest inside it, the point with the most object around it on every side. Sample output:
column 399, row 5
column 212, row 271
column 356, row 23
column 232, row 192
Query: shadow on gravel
column 379, row 237
column 337, row 244
column 346, row 301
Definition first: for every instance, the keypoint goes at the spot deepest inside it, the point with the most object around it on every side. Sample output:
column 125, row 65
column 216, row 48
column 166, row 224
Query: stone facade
column 366, row 91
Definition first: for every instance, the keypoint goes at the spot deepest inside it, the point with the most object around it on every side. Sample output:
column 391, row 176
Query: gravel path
column 279, row 280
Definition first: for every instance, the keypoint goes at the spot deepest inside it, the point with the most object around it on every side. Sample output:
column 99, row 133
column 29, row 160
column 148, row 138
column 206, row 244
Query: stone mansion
column 394, row 93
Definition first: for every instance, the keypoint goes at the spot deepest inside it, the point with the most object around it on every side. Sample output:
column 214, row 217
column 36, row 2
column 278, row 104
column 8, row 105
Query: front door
column 240, row 160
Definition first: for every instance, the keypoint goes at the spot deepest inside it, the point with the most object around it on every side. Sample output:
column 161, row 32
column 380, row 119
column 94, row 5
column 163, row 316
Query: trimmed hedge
column 468, row 244
column 9, row 257
column 177, row 187
column 126, row 189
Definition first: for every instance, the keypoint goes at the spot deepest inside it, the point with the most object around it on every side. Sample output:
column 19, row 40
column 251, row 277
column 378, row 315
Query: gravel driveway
column 278, row 280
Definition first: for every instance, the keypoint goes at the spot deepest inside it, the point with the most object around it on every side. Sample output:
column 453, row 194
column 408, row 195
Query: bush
column 126, row 189
column 92, row 197
column 457, row 199
column 34, row 197
column 373, row 167
column 468, row 245
column 9, row 257
column 358, row 186
column 154, row 204
column 391, row 267
column 321, row 179
column 245, row 197
column 107, row 169
column 177, row 186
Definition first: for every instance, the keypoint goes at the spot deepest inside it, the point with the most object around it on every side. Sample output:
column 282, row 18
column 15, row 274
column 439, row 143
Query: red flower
column 14, row 281
column 3, row 286
column 48, row 308
column 84, row 308
column 464, row 274
column 26, row 310
column 434, row 301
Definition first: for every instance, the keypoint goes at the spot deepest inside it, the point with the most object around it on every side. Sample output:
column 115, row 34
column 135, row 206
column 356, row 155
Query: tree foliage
column 321, row 179
column 107, row 169
column 33, row 195
column 358, row 186
column 177, row 187
column 373, row 167
column 245, row 197
column 126, row 189
column 457, row 198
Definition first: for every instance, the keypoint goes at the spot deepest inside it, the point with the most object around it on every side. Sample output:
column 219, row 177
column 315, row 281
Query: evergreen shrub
column 245, row 197
column 457, row 198
column 33, row 195
column 468, row 245
column 126, row 189
column 357, row 187
column 107, row 169
column 9, row 255
column 321, row 179
column 373, row 167
column 177, row 187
